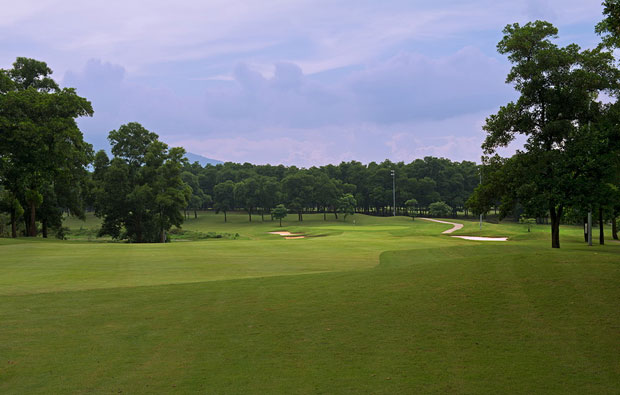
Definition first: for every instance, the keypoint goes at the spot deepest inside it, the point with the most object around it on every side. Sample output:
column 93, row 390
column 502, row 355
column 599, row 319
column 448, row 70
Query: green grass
column 385, row 305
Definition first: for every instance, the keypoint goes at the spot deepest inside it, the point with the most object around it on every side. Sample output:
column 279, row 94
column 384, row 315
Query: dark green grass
column 382, row 306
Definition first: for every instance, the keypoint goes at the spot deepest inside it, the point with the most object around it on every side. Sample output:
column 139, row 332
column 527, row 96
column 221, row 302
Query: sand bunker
column 289, row 235
column 455, row 226
column 284, row 233
column 480, row 238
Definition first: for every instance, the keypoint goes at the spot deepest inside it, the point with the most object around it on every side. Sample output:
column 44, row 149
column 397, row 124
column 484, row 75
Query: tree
column 326, row 193
column 529, row 221
column 279, row 212
column 268, row 194
column 439, row 209
column 10, row 204
column 224, row 197
column 346, row 205
column 411, row 204
column 298, row 188
column 609, row 28
column 140, row 192
column 40, row 140
column 247, row 194
column 556, row 87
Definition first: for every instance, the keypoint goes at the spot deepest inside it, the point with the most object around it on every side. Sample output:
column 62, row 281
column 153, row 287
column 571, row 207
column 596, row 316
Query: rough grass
column 385, row 305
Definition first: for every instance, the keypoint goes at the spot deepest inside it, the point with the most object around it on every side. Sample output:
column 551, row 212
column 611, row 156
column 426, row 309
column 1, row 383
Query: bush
column 440, row 209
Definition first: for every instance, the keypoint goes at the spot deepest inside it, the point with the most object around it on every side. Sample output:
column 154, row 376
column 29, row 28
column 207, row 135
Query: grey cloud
column 411, row 86
column 357, row 114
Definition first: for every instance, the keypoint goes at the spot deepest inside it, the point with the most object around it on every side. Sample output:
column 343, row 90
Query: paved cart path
column 456, row 226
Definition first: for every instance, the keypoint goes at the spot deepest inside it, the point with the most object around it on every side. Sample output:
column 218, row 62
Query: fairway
column 385, row 305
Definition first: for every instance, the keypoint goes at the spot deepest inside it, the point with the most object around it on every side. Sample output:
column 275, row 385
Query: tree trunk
column 44, row 229
column 262, row 215
column 250, row 214
column 32, row 230
column 585, row 229
column 280, row 222
column 224, row 216
column 324, row 215
column 555, row 224
column 195, row 214
column 614, row 228
column 601, row 226
column 162, row 236
column 13, row 224
column 301, row 218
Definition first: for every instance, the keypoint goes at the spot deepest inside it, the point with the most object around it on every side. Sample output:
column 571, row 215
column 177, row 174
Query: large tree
column 557, row 87
column 40, row 142
column 141, row 192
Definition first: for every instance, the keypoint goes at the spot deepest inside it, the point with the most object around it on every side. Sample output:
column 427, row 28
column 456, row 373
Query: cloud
column 286, row 81
column 403, row 100
column 138, row 34
column 411, row 86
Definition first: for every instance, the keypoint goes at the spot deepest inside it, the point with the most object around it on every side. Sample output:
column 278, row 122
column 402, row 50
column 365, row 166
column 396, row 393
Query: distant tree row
column 257, row 189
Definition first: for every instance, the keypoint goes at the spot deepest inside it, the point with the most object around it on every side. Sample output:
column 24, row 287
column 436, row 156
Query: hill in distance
column 201, row 159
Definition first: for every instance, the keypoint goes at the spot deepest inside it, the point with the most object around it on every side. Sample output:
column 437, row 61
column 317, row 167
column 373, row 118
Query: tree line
column 256, row 189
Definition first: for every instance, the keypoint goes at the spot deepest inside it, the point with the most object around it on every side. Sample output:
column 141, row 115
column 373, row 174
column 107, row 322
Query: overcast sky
column 294, row 82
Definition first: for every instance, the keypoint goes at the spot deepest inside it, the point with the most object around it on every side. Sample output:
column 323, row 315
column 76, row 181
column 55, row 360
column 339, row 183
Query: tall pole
column 590, row 228
column 394, row 192
column 480, row 226
column 590, row 211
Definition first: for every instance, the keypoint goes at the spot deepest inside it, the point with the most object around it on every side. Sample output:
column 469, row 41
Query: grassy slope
column 384, row 306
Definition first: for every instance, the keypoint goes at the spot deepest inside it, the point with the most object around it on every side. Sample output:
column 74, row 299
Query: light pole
column 480, row 226
column 394, row 192
column 589, row 211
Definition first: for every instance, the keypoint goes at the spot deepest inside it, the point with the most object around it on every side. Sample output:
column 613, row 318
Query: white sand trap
column 288, row 235
column 454, row 224
column 480, row 238
column 284, row 233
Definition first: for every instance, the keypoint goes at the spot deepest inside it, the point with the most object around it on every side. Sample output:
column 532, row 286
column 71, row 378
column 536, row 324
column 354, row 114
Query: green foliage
column 411, row 204
column 141, row 192
column 224, row 195
column 40, row 144
column 279, row 212
column 529, row 221
column 609, row 27
column 346, row 205
column 558, row 87
column 440, row 209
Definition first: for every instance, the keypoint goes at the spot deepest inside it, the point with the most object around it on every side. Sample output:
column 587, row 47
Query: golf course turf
column 382, row 305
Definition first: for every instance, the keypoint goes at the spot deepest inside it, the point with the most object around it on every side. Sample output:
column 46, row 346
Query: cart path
column 454, row 224
column 456, row 227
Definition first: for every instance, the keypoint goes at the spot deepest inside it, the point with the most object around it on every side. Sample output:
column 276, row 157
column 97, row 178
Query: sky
column 294, row 82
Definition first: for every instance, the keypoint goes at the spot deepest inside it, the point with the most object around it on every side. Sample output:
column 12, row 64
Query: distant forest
column 318, row 189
